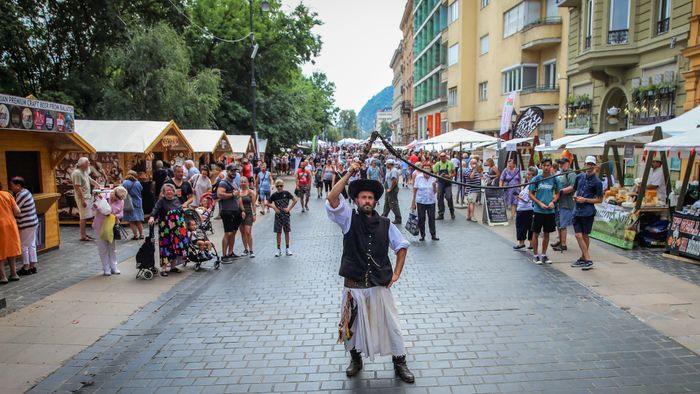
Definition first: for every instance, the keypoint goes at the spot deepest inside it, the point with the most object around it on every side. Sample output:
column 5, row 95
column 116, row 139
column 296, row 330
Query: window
column 483, row 91
column 520, row 77
column 550, row 74
column 452, row 97
column 589, row 23
column 521, row 15
column 484, row 3
column 552, row 9
column 619, row 21
column 484, row 45
column 663, row 23
column 453, row 12
column 453, row 55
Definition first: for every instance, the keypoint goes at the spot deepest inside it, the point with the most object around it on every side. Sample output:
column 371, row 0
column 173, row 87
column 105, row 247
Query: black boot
column 355, row 363
column 402, row 370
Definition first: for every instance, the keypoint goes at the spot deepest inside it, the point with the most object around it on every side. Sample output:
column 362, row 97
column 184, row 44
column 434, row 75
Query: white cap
column 591, row 159
column 390, row 161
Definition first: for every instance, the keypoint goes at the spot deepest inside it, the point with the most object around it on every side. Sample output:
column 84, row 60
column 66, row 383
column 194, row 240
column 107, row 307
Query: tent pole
column 606, row 168
column 618, row 168
column 643, row 186
column 686, row 179
column 576, row 166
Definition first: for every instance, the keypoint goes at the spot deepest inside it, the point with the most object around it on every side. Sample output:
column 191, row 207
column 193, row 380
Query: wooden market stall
column 242, row 145
column 120, row 146
column 208, row 146
column 34, row 137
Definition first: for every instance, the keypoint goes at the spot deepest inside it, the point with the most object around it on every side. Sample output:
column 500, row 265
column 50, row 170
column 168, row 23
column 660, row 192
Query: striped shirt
column 27, row 217
column 473, row 183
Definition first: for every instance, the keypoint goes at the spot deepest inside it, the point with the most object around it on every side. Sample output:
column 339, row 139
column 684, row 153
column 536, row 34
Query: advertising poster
column 684, row 236
column 18, row 113
column 615, row 225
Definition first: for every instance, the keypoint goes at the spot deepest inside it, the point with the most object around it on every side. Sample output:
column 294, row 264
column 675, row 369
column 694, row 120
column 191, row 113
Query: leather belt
column 353, row 284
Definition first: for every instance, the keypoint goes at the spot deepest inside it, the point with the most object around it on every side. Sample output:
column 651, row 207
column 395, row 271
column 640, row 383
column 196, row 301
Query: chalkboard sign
column 496, row 207
column 684, row 236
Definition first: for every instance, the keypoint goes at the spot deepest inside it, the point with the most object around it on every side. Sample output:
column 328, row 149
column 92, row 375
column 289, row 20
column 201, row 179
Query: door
column 26, row 165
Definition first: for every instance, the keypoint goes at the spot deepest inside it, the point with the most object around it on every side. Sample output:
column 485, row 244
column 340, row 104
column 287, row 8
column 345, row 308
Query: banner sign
column 496, row 207
column 507, row 112
column 684, row 236
column 528, row 121
column 18, row 113
column 615, row 225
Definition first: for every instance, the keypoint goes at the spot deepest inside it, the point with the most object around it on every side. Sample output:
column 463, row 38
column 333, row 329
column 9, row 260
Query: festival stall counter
column 120, row 146
column 208, row 146
column 35, row 136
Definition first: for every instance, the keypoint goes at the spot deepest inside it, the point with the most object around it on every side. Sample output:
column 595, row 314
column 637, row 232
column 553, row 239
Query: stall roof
column 240, row 143
column 561, row 143
column 680, row 143
column 125, row 136
column 206, row 141
column 596, row 144
column 262, row 145
column 457, row 136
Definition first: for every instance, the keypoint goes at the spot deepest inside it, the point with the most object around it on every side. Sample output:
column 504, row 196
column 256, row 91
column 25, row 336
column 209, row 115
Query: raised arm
column 333, row 196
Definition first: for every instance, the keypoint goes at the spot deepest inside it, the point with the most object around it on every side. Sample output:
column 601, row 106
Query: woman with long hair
column 246, row 201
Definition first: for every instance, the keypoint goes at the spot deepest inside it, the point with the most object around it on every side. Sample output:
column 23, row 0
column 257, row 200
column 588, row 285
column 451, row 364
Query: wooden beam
column 686, row 179
column 56, row 157
column 618, row 167
column 576, row 165
column 643, row 186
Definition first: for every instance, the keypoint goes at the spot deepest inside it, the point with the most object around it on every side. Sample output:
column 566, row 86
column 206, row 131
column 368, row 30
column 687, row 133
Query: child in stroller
column 205, row 210
column 198, row 239
column 200, row 248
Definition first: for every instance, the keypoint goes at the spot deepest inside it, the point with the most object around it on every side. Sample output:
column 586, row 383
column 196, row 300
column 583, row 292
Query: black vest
column 365, row 251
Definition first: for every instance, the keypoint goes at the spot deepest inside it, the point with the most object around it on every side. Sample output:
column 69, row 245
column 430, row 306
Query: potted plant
column 571, row 101
column 666, row 87
column 585, row 100
column 652, row 90
column 635, row 94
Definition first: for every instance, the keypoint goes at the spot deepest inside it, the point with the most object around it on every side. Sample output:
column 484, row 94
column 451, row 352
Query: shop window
column 26, row 165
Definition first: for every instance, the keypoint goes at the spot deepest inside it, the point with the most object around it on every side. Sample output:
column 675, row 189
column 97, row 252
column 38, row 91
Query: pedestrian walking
column 391, row 200
column 191, row 170
column 565, row 204
column 27, row 223
column 303, row 186
column 230, row 212
column 369, row 322
column 544, row 193
column 425, row 188
column 472, row 178
column 135, row 215
column 264, row 181
column 523, row 215
column 280, row 203
column 246, row 200
column 511, row 177
column 108, row 213
column 373, row 172
column 446, row 171
column 201, row 185
column 82, row 185
column 588, row 192
column 318, row 180
column 327, row 175
column 10, row 244
column 338, row 174
column 172, row 230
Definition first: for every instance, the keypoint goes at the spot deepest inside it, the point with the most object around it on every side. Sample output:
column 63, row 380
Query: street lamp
column 265, row 7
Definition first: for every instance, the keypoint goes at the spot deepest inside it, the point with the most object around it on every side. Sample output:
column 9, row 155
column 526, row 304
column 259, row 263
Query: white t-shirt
column 656, row 177
column 425, row 193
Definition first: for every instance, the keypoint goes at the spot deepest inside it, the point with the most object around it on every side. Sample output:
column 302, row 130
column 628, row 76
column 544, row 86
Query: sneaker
column 587, row 265
column 289, row 253
column 518, row 247
column 529, row 248
column 556, row 244
column 106, row 274
column 452, row 215
column 441, row 217
column 537, row 260
column 245, row 253
column 278, row 253
column 546, row 259
column 251, row 255
column 578, row 263
column 116, row 272
column 233, row 256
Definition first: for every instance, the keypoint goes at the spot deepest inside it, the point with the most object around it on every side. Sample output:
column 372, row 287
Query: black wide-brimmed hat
column 365, row 185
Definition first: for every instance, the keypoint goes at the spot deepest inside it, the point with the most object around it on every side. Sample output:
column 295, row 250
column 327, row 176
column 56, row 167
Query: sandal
column 4, row 281
column 86, row 239
column 134, row 238
column 14, row 278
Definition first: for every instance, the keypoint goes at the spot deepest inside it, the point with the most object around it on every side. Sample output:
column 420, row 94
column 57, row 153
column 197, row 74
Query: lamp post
column 265, row 7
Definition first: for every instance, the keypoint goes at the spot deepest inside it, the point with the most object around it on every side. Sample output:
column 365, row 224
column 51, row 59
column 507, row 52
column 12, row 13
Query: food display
column 627, row 198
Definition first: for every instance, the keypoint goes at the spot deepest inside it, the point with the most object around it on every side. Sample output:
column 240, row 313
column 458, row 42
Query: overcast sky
column 359, row 38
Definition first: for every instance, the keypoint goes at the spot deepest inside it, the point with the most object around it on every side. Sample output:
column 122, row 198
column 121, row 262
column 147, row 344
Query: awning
column 457, row 136
column 595, row 144
column 560, row 143
column 207, row 141
column 241, row 144
column 680, row 143
column 127, row 136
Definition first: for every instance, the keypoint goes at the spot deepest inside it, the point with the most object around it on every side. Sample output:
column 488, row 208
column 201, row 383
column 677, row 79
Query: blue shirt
column 587, row 187
column 374, row 174
column 544, row 190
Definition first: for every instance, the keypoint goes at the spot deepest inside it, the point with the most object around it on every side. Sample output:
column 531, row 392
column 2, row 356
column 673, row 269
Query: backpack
column 215, row 187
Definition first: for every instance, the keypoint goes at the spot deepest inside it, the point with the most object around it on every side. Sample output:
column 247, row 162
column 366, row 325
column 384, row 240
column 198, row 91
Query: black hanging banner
column 684, row 236
column 496, row 207
column 528, row 121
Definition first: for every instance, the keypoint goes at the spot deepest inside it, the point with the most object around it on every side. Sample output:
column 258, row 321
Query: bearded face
column 365, row 202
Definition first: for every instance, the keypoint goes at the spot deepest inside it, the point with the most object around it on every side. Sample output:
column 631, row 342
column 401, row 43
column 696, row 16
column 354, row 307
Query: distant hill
column 383, row 99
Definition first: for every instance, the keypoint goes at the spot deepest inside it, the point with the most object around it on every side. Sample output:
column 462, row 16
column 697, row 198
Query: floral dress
column 172, row 228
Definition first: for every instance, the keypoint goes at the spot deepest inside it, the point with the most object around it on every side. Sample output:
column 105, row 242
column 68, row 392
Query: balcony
column 662, row 26
column 406, row 107
column 618, row 37
column 568, row 3
column 544, row 96
column 542, row 34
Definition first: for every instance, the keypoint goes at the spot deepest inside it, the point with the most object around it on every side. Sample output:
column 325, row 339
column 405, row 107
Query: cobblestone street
column 476, row 318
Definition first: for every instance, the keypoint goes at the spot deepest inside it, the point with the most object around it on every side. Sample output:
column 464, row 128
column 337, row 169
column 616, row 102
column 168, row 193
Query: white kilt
column 376, row 329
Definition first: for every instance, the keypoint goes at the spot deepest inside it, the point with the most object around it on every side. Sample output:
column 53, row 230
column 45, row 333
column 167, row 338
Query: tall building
column 429, row 60
column 382, row 115
column 495, row 48
column 625, row 63
column 409, row 128
column 692, row 53
column 397, row 66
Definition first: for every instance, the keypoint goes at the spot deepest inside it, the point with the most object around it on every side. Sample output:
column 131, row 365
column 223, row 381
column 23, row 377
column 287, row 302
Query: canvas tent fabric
column 595, row 145
column 679, row 143
column 262, row 145
column 132, row 136
column 205, row 141
column 560, row 144
column 457, row 136
column 239, row 143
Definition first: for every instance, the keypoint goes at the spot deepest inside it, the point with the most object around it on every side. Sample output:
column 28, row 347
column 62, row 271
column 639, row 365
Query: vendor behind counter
column 657, row 180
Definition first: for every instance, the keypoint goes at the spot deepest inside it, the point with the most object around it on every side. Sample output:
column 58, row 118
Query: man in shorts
column 565, row 204
column 303, row 186
column 279, row 202
column 82, row 185
column 473, row 180
column 227, row 193
column 544, row 193
column 588, row 192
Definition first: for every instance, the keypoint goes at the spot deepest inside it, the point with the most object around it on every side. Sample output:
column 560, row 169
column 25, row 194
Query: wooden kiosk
column 34, row 137
column 120, row 146
column 208, row 146
column 242, row 145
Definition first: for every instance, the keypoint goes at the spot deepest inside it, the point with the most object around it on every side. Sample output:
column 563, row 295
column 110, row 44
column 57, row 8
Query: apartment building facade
column 429, row 60
column 396, row 65
column 625, row 62
column 409, row 127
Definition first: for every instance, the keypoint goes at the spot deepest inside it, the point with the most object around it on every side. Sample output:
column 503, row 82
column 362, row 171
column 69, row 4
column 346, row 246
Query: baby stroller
column 193, row 252
column 145, row 258
column 205, row 214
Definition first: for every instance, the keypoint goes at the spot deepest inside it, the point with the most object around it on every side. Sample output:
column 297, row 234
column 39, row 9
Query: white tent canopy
column 125, row 136
column 262, row 145
column 595, row 145
column 206, row 141
column 349, row 141
column 680, row 143
column 688, row 121
column 457, row 136
column 560, row 143
column 240, row 143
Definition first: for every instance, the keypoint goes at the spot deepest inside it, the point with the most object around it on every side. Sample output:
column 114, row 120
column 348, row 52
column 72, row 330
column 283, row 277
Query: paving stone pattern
column 61, row 268
column 476, row 318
